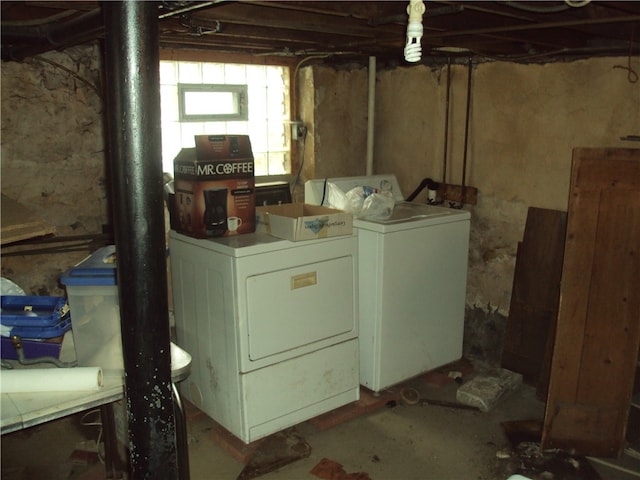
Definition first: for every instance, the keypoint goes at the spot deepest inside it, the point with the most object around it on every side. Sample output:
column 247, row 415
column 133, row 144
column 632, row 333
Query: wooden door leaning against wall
column 598, row 329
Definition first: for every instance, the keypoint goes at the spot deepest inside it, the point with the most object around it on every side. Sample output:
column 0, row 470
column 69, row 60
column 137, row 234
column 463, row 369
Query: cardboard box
column 214, row 187
column 300, row 221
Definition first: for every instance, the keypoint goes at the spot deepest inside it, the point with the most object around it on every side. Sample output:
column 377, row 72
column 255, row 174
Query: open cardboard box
column 300, row 221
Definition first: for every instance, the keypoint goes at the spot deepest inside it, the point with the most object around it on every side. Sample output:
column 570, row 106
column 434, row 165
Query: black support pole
column 134, row 140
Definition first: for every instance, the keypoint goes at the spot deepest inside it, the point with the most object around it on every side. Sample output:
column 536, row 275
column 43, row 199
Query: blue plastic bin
column 28, row 311
column 95, row 310
column 30, row 348
column 99, row 269
column 35, row 319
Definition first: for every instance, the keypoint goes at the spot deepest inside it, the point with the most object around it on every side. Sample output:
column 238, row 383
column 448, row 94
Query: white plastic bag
column 336, row 198
column 378, row 206
column 363, row 202
column 10, row 288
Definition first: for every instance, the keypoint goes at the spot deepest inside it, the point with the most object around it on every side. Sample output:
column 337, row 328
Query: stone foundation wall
column 53, row 155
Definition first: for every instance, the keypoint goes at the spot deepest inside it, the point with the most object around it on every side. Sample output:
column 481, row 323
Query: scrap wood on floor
column 274, row 452
column 330, row 470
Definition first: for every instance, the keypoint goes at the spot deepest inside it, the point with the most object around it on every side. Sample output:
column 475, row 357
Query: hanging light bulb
column 413, row 49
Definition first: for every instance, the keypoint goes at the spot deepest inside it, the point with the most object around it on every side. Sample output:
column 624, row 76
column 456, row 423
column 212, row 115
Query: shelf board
column 21, row 223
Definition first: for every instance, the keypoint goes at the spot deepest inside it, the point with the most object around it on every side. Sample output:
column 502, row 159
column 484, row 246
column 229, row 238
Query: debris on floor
column 411, row 396
column 330, row 470
column 487, row 389
column 274, row 452
column 527, row 457
column 447, row 404
column 541, row 464
column 450, row 373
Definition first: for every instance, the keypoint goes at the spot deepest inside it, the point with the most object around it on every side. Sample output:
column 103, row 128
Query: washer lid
column 409, row 215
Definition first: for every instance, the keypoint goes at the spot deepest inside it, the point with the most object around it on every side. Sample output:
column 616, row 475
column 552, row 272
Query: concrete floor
column 395, row 441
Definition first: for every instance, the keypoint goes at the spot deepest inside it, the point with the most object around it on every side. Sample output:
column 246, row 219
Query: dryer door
column 297, row 309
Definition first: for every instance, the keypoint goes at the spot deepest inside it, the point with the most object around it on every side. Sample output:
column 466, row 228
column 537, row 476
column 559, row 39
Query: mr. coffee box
column 215, row 187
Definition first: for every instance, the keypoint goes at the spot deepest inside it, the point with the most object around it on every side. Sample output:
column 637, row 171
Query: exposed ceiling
column 529, row 31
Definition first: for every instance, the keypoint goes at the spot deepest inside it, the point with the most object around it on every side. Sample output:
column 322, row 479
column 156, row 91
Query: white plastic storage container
column 95, row 312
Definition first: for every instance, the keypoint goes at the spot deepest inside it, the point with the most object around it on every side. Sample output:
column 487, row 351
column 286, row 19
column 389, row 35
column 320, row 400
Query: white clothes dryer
column 412, row 270
column 271, row 326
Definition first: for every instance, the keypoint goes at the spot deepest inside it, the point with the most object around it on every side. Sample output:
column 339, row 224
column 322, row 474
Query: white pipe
column 371, row 114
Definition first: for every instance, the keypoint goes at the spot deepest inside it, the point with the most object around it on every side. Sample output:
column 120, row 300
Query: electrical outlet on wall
column 298, row 130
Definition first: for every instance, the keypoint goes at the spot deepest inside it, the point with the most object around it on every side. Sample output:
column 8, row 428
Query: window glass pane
column 276, row 136
column 239, row 128
column 188, row 131
column 275, row 106
column 261, row 163
column 169, row 102
column 206, row 103
column 258, row 96
column 235, row 73
column 213, row 73
column 278, row 163
column 257, row 74
column 189, row 72
column 168, row 72
column 171, row 143
column 276, row 76
column 215, row 128
column 259, row 134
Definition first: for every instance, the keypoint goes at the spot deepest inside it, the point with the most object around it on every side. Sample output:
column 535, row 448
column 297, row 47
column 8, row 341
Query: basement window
column 212, row 103
column 207, row 98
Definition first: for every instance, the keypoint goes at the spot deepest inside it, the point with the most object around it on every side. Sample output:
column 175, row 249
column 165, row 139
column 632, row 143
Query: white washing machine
column 412, row 284
column 271, row 325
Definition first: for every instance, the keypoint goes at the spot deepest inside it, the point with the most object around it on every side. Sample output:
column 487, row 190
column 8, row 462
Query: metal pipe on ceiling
column 132, row 56
column 187, row 9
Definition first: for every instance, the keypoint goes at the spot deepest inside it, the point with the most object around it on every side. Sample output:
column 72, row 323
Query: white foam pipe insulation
column 371, row 108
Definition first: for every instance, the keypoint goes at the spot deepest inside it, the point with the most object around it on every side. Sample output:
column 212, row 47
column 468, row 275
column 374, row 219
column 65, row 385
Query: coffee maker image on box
column 215, row 211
